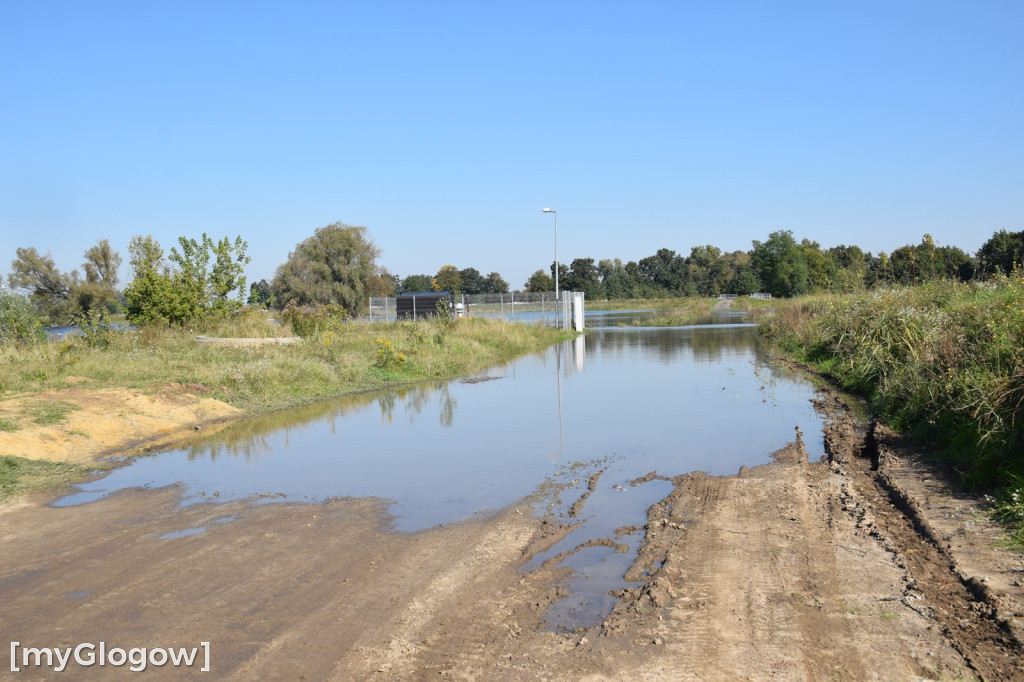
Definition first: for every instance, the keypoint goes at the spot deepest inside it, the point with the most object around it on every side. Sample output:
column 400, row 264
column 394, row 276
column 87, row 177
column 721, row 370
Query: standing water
column 621, row 400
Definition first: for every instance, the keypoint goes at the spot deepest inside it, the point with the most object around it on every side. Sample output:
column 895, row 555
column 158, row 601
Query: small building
column 414, row 305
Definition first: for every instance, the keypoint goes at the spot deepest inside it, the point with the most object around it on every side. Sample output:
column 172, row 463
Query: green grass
column 943, row 362
column 337, row 360
column 20, row 476
column 7, row 425
column 55, row 412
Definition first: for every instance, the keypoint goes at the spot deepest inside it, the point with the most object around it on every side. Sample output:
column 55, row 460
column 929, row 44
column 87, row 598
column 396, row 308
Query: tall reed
column 943, row 361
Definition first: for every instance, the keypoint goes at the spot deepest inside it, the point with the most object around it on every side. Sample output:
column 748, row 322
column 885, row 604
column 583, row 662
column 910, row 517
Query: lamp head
column 548, row 210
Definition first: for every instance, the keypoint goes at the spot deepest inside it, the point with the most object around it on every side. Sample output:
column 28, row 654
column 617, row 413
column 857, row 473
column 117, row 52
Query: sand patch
column 80, row 424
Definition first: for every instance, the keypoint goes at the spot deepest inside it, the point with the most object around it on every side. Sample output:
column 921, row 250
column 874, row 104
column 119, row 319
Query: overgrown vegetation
column 333, row 358
column 943, row 361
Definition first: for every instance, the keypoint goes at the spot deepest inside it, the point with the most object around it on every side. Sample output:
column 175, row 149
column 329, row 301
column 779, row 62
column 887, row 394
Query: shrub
column 19, row 321
column 310, row 321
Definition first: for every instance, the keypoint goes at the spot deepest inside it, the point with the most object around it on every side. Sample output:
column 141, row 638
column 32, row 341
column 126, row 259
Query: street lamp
column 551, row 210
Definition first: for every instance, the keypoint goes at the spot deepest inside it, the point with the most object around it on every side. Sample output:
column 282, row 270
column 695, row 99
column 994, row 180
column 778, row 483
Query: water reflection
column 657, row 399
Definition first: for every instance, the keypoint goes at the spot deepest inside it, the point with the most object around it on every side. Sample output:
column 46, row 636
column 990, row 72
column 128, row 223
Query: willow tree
column 338, row 264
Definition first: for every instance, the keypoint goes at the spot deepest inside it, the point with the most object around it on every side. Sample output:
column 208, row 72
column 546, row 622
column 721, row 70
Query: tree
column 616, row 281
column 666, row 270
column 150, row 296
column 448, row 279
column 259, row 294
column 472, row 281
column 228, row 273
column 539, row 281
column 821, row 269
column 583, row 277
column 161, row 293
column 779, row 264
column 705, row 269
column 495, row 284
column 101, row 264
column 417, row 283
column 99, row 290
column 47, row 287
column 335, row 265
column 1002, row 253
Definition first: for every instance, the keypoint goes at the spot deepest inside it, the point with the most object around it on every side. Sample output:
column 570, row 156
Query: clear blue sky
column 445, row 127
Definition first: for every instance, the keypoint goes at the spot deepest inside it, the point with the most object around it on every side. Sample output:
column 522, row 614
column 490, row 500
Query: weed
column 943, row 361
column 19, row 476
column 55, row 412
column 387, row 355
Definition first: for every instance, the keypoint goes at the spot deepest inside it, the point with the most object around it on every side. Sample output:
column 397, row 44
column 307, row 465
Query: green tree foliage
column 260, row 294
column 64, row 296
column 539, row 281
column 47, row 287
column 99, row 290
column 583, row 276
column 780, row 265
column 821, row 269
column 1001, row 254
column 417, row 283
column 563, row 274
column 495, row 284
column 338, row 264
column 472, row 281
column 705, row 269
column 927, row 262
column 665, row 270
column 616, row 281
column 448, row 279
column 161, row 293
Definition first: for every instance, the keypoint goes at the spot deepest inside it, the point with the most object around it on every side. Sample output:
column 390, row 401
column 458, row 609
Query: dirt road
column 868, row 566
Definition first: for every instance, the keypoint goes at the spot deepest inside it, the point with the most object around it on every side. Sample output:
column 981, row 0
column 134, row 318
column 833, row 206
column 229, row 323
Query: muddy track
column 867, row 566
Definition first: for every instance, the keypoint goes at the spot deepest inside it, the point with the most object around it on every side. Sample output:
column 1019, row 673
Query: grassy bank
column 943, row 361
column 20, row 476
column 335, row 358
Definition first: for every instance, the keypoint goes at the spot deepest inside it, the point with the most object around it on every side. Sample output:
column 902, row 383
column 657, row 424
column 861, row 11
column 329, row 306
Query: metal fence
column 521, row 306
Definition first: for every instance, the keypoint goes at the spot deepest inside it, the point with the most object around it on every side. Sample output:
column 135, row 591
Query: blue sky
column 445, row 127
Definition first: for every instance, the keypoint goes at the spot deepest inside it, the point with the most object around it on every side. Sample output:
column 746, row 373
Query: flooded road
column 620, row 402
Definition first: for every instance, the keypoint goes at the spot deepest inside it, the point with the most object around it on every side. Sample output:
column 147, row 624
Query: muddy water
column 622, row 401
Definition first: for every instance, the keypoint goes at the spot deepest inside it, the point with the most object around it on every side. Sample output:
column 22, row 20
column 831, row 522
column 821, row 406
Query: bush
column 19, row 321
column 309, row 321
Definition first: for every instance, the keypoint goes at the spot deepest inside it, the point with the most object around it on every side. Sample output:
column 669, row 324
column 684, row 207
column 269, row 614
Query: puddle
column 633, row 399
column 182, row 533
column 614, row 514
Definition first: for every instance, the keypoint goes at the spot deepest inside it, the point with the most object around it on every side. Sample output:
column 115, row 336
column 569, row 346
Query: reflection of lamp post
column 557, row 309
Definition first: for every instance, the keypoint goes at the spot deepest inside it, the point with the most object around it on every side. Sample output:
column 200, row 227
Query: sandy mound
column 81, row 424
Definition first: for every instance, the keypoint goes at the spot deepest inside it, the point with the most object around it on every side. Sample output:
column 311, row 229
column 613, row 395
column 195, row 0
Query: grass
column 7, row 425
column 943, row 361
column 332, row 361
column 54, row 412
column 20, row 476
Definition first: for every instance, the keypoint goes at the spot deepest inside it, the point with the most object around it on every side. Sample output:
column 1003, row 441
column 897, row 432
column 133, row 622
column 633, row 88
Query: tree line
column 781, row 266
column 338, row 265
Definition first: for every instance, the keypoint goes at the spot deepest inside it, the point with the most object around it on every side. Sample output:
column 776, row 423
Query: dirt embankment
column 868, row 566
column 82, row 424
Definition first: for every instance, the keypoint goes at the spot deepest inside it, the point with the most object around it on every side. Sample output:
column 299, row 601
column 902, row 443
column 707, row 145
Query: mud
column 868, row 565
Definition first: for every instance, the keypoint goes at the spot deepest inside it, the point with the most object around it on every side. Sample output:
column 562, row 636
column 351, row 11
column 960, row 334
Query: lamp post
column 557, row 309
